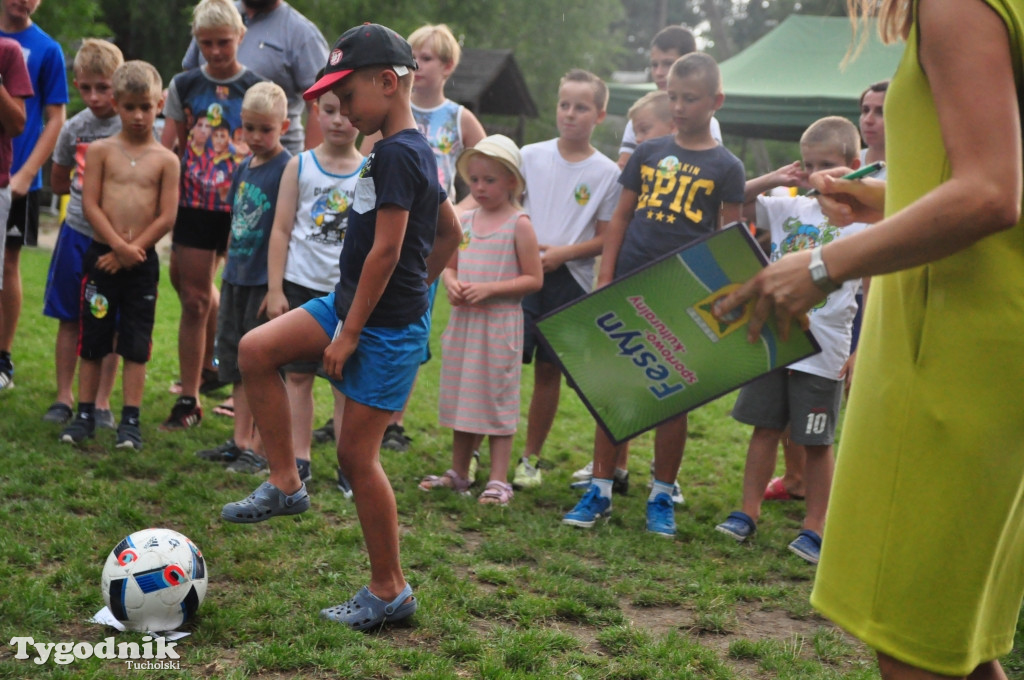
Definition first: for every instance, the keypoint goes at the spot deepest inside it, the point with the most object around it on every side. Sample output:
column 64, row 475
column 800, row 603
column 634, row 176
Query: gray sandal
column 265, row 502
column 366, row 610
column 449, row 480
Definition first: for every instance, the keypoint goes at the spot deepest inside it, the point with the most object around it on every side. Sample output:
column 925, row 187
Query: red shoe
column 776, row 491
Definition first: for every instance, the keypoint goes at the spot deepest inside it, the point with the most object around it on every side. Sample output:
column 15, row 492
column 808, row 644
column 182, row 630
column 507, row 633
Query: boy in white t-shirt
column 571, row 193
column 804, row 396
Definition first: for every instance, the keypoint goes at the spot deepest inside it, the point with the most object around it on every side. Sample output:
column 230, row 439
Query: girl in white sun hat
column 497, row 264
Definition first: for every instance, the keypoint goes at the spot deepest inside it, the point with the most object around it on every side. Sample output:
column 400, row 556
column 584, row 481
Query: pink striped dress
column 482, row 347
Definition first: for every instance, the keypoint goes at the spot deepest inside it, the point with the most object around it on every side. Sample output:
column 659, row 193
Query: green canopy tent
column 789, row 78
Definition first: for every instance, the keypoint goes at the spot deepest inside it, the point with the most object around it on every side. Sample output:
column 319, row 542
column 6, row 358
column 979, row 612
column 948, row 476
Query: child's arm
column 447, row 238
column 12, row 113
column 791, row 175
column 60, row 178
column 615, row 235
column 531, row 276
column 275, row 304
column 168, row 206
column 450, row 279
column 730, row 212
column 22, row 179
column 380, row 262
column 127, row 255
column 553, row 257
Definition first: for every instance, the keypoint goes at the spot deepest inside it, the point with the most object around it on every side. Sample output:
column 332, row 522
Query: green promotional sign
column 646, row 348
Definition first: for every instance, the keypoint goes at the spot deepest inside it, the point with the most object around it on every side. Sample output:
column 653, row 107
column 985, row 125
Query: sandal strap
column 390, row 607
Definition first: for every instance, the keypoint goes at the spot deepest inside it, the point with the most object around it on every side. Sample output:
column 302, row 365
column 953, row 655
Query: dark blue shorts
column 382, row 370
column 64, row 280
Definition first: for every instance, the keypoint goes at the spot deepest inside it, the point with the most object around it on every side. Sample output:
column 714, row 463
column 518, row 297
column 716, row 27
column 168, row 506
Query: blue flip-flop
column 366, row 611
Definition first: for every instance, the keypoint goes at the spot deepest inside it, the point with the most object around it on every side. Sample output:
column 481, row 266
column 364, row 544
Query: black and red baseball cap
column 359, row 46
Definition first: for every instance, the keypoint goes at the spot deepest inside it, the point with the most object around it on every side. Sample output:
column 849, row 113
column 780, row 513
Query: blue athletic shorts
column 382, row 370
column 64, row 280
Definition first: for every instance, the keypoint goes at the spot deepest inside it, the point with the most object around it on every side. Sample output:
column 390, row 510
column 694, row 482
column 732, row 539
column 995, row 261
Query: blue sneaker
column 661, row 516
column 591, row 508
column 807, row 545
column 739, row 525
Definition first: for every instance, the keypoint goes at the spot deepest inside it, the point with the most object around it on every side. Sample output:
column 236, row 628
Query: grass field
column 504, row 593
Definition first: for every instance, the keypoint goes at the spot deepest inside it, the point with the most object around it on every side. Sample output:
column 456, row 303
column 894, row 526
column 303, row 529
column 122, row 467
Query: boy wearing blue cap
column 372, row 331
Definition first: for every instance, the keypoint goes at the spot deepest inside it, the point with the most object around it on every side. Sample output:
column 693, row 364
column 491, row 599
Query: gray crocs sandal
column 265, row 502
column 366, row 611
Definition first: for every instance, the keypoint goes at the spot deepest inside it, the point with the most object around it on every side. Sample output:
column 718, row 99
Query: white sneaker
column 585, row 473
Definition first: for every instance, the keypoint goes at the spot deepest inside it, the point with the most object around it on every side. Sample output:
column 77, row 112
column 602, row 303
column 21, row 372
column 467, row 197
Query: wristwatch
column 819, row 274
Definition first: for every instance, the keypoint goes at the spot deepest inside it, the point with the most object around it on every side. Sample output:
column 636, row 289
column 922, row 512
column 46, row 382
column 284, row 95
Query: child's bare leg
column 133, row 381
column 605, row 455
column 501, row 455
column 897, row 670
column 339, row 410
column 547, row 385
column 193, row 270
column 762, row 452
column 300, row 397
column 211, row 326
column 10, row 297
column 108, row 378
column 359, row 458
column 793, row 478
column 88, row 380
column 669, row 444
column 463, row 444
column 820, row 464
column 295, row 336
column 244, row 438
column 65, row 360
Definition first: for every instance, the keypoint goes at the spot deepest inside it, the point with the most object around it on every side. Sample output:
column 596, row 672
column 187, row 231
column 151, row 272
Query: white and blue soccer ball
column 154, row 580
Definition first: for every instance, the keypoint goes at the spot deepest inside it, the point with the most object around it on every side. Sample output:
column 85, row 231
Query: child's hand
column 274, row 305
column 108, row 263
column 552, row 257
column 129, row 255
column 475, row 293
column 337, row 353
column 792, row 175
column 456, row 294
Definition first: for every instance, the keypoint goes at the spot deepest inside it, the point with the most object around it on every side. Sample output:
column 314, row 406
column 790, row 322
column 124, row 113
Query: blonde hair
column 136, row 77
column 657, row 101
column 578, row 75
column 216, row 14
column 440, row 39
column 702, row 65
column 267, row 99
column 894, row 19
column 97, row 57
column 835, row 133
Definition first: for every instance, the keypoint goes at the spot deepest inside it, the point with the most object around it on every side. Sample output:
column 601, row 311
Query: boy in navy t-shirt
column 676, row 189
column 372, row 331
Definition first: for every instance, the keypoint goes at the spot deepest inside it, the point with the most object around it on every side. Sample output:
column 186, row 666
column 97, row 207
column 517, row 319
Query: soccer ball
column 154, row 580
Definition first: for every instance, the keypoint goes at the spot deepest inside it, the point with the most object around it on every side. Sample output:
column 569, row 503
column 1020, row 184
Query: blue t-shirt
column 400, row 171
column 254, row 196
column 679, row 195
column 45, row 60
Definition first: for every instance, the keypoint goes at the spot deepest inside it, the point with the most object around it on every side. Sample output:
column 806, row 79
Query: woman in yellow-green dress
column 923, row 551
